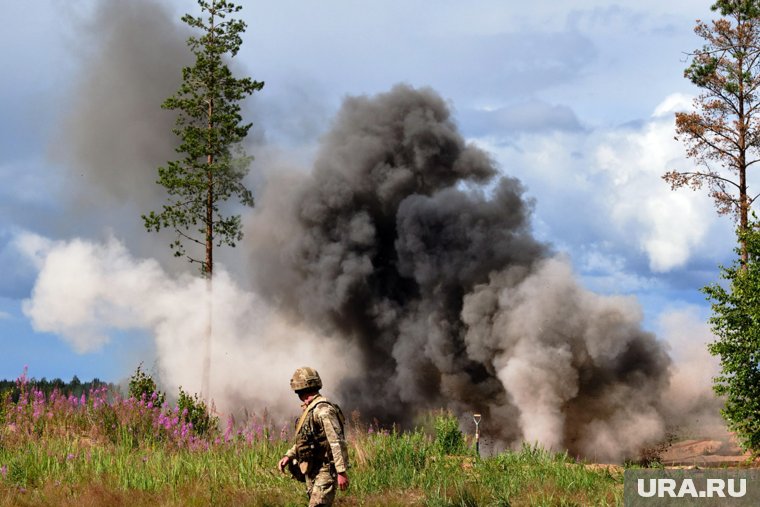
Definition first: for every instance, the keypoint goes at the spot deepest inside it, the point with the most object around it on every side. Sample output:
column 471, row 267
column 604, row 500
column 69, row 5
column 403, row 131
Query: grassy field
column 105, row 450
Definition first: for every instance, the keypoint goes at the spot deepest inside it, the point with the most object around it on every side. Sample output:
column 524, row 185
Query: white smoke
column 86, row 291
column 576, row 365
column 691, row 403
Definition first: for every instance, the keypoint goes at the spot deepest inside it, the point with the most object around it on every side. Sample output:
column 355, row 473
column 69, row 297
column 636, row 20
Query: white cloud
column 605, row 187
column 33, row 247
column 641, row 202
column 672, row 104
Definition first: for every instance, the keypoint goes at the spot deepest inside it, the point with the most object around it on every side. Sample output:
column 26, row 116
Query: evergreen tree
column 736, row 323
column 210, row 128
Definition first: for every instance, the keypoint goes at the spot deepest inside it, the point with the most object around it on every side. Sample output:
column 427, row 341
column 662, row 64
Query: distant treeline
column 73, row 387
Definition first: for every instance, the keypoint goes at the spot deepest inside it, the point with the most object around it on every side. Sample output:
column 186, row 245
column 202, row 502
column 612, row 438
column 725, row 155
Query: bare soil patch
column 706, row 453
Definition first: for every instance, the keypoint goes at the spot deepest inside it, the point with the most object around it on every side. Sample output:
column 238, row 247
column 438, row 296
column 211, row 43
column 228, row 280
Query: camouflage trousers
column 322, row 486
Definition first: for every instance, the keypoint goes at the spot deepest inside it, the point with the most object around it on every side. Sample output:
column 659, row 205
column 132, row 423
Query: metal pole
column 476, row 418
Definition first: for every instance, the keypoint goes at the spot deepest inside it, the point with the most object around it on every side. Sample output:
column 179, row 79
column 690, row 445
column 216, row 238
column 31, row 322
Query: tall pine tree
column 210, row 128
column 722, row 133
column 213, row 164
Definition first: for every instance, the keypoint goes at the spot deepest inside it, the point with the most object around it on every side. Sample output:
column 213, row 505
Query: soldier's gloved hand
column 342, row 481
column 283, row 463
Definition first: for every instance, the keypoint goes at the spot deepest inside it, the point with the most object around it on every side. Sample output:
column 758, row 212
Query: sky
column 575, row 99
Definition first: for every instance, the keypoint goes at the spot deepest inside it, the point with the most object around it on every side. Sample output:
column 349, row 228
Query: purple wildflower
column 230, row 427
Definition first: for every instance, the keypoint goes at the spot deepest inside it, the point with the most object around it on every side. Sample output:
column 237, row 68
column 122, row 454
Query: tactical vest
column 312, row 448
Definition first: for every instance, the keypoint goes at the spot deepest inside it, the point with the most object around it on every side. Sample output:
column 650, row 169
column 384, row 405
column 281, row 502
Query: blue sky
column 576, row 99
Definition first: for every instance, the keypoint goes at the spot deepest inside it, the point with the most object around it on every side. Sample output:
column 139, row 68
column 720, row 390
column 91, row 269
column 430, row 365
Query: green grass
column 389, row 469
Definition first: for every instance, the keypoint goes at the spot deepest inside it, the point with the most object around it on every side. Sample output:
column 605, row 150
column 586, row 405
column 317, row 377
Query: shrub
column 195, row 411
column 448, row 437
column 143, row 387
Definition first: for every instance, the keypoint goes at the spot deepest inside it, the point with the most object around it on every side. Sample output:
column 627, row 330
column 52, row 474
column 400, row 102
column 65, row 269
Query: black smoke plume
column 406, row 242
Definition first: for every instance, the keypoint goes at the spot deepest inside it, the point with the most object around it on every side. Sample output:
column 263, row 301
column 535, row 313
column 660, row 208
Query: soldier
column 319, row 456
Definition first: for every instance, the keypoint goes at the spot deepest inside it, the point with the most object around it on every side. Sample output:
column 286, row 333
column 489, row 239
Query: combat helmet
column 305, row 378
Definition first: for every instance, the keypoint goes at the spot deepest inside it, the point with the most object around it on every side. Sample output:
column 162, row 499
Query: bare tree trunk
column 744, row 212
column 209, row 272
column 206, row 370
column 743, row 198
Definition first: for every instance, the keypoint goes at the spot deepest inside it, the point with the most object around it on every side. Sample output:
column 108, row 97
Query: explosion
column 405, row 242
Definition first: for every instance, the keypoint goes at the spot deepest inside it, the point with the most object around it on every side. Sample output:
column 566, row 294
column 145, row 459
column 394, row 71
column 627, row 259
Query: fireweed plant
column 104, row 416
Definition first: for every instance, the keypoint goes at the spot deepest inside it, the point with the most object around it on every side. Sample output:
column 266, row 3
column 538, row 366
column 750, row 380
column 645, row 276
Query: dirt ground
column 705, row 453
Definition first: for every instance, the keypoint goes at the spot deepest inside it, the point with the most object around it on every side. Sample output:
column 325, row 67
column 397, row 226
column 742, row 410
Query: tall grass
column 102, row 449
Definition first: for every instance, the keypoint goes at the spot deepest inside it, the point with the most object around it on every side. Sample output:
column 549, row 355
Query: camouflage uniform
column 321, row 450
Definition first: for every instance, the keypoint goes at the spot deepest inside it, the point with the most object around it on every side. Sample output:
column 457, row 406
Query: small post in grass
column 476, row 418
